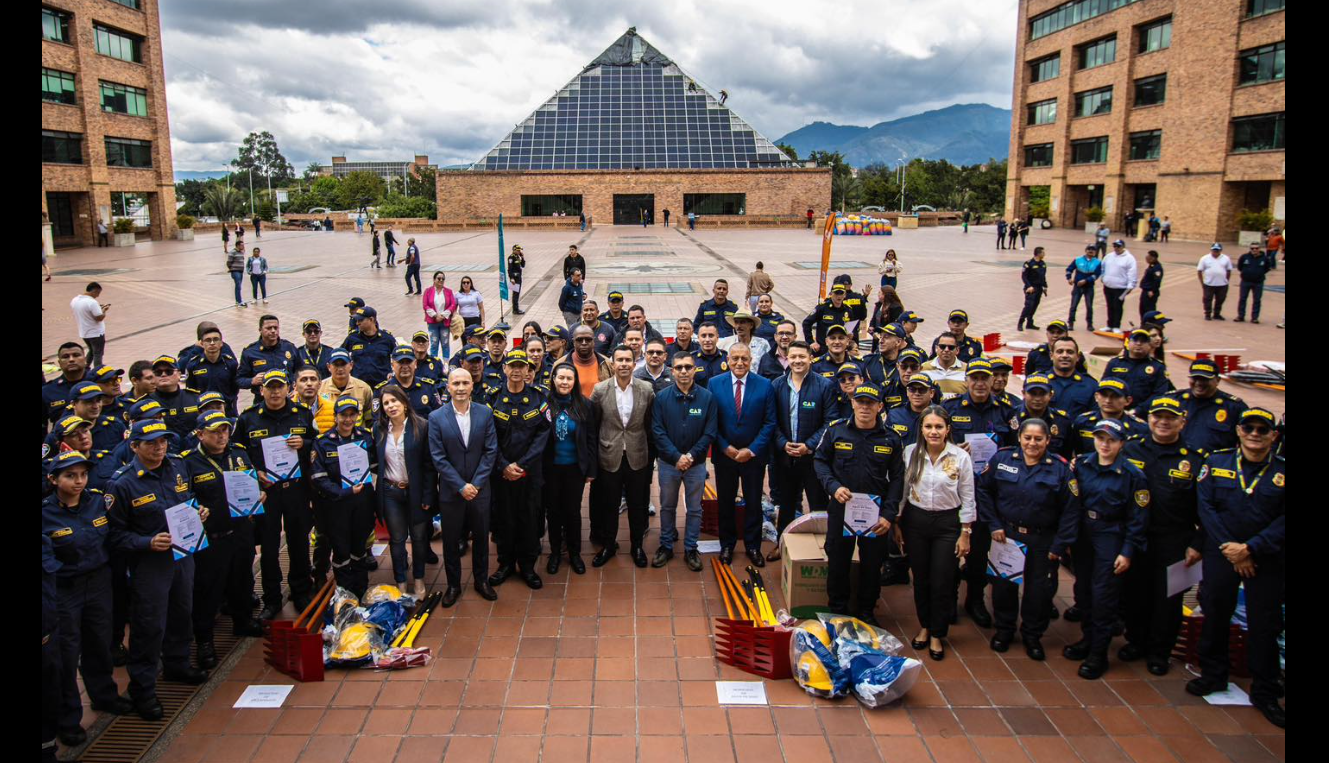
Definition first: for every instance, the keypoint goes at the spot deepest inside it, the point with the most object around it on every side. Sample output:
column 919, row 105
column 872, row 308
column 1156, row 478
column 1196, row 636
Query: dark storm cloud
column 325, row 16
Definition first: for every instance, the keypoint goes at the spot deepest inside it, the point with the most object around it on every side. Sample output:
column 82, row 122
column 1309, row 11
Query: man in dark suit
column 624, row 407
column 805, row 403
column 464, row 445
column 746, row 404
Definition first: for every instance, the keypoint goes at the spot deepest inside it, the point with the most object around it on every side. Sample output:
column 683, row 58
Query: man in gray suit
column 464, row 445
column 624, row 405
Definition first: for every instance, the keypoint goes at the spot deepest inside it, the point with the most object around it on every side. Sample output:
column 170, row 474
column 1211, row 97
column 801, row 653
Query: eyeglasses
column 1256, row 429
column 655, row 352
column 310, row 330
column 946, row 348
column 581, row 339
column 688, row 367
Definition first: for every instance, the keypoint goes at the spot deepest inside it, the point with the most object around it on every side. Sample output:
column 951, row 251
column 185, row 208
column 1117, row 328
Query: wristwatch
column 966, row 530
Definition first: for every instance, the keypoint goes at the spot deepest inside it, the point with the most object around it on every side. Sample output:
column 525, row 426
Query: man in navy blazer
column 746, row 406
column 805, row 403
column 464, row 445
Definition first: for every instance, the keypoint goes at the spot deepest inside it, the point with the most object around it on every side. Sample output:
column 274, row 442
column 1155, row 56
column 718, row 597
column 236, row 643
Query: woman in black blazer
column 407, row 483
column 571, row 460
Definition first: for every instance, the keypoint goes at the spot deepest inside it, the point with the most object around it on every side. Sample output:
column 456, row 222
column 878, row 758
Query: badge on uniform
column 1075, row 487
column 1149, row 369
column 1142, row 498
column 1220, row 416
column 1278, row 480
column 1204, row 472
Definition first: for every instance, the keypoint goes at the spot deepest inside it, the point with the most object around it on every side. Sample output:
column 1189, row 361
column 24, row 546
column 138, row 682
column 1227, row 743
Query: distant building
column 340, row 168
column 1160, row 106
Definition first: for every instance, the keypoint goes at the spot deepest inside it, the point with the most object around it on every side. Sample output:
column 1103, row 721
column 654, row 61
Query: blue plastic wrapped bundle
column 877, row 678
column 815, row 667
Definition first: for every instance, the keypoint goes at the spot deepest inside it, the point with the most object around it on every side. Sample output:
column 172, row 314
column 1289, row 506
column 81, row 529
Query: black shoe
column 369, row 563
column 726, row 556
column 149, row 709
column 1219, row 318
column 1130, row 653
column 191, row 676
column 1070, row 325
column 1255, row 320
column 577, row 565
column 1073, row 614
column 603, row 556
column 662, row 557
column 1019, row 327
column 1032, row 327
column 486, row 591
column 937, row 655
column 693, row 560
column 270, row 612
column 1207, row 318
column 1093, row 668
column 1090, row 327
column 1077, row 651
column 533, row 581
column 1273, row 712
column 639, row 557
column 450, row 596
column 919, row 644
column 555, row 558
column 120, row 655
column 430, row 556
column 207, row 655
column 1034, row 648
column 1000, row 642
column 1054, row 613
column 1158, row 667
column 501, row 574
column 72, row 737
column 118, row 706
column 1239, row 319
column 895, row 572
column 978, row 613
column 1202, row 687
column 248, row 627
column 754, row 556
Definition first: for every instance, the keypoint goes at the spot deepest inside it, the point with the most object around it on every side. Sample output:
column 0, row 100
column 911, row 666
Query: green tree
column 395, row 205
column 847, row 191
column 223, row 203
column 192, row 193
column 423, row 183
column 360, row 189
column 788, row 149
column 259, row 152
column 311, row 171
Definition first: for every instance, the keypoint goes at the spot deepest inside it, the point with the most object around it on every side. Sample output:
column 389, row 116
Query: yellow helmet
column 811, row 674
column 382, row 593
column 855, row 630
column 353, row 642
column 818, row 630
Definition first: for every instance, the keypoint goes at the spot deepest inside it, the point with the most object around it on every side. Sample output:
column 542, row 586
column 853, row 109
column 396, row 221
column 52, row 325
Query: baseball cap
column 922, row 380
column 1257, row 413
column 868, row 391
column 909, row 316
column 1142, row 334
column 166, row 360
column 837, row 328
column 910, row 353
column 145, row 409
column 1119, row 242
column 557, row 332
column 496, row 331
column 1037, row 381
column 978, row 366
column 849, row 367
column 311, row 322
column 67, row 425
column 346, row 402
column 403, row 352
column 86, row 390
column 893, row 329
column 843, row 278
column 365, row 312
column 108, row 373
column 1166, row 405
column 516, row 356
column 148, row 429
column 354, row 303
column 1057, row 324
column 1112, row 385
column 1156, row 316
column 471, row 330
column 67, row 459
column 1111, row 427
column 958, row 314
column 419, row 335
column 213, row 419
column 339, row 355
column 1000, row 364
column 615, row 296
column 1217, row 247
column 472, row 353
column 838, row 287
column 208, row 398
column 1204, row 368
column 275, row 376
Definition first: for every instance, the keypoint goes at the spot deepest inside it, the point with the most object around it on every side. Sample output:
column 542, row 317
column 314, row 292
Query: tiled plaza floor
column 617, row 665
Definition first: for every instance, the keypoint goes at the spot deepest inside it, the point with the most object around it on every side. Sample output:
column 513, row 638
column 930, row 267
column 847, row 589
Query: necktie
column 738, row 399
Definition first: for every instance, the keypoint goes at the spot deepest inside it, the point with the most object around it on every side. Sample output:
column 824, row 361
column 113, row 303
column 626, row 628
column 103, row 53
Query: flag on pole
column 503, row 265
column 826, row 235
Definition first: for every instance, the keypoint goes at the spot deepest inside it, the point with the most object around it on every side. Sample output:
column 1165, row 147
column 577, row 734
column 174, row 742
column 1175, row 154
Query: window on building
column 127, row 152
column 1043, row 112
column 131, row 205
column 117, row 44
column 1045, row 68
column 62, row 147
column 1098, row 52
column 715, row 203
column 543, row 206
column 1265, row 132
column 1093, row 102
column 128, row 4
column 1146, row 145
column 1151, row 91
column 1089, row 151
column 123, row 99
column 1156, row 35
column 1072, row 13
column 1263, row 64
column 1145, row 196
column 58, row 86
column 1039, row 155
column 1261, row 7
column 55, row 25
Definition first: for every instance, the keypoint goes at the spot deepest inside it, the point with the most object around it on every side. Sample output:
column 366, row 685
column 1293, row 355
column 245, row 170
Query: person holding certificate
column 1027, row 498
column 936, row 520
column 859, row 461
column 224, row 571
column 407, row 490
column 344, row 500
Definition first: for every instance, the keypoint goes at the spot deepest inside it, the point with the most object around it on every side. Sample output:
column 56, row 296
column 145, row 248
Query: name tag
column 143, row 500
column 962, row 419
column 297, row 430
column 885, row 449
column 1229, row 473
column 258, row 363
column 1008, row 468
column 62, row 533
column 357, row 347
column 99, row 521
column 199, row 372
column 208, row 477
column 1178, row 474
column 258, row 433
column 531, row 414
column 844, row 446
column 500, row 415
column 1137, row 463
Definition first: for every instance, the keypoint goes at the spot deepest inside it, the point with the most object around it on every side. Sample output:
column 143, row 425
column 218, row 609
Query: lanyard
column 1241, row 475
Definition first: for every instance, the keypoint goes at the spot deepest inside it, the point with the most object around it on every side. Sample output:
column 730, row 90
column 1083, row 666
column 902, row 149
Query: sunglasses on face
column 946, row 348
column 655, row 352
column 683, row 368
column 1256, row 429
column 581, row 339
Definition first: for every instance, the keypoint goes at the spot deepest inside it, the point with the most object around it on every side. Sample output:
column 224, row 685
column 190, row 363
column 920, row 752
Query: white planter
column 124, row 239
column 1248, row 237
column 185, row 234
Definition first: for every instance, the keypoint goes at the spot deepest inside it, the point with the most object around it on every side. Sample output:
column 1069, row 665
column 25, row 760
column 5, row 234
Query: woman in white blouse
column 935, row 517
column 406, row 483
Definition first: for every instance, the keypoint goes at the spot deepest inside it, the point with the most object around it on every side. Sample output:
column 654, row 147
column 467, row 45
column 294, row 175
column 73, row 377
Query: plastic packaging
column 876, row 678
column 354, row 645
column 815, row 667
column 381, row 593
column 843, row 628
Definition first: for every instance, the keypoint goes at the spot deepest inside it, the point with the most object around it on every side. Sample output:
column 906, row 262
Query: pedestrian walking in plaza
column 390, row 241
column 966, row 221
column 239, row 232
column 257, row 266
column 226, row 238
column 359, row 224
column 1081, row 275
column 1164, row 229
column 104, row 234
column 440, row 306
column 376, row 250
column 581, row 219
column 1151, row 284
column 1120, row 275
column 46, row 267
column 470, row 303
column 666, row 217
column 258, row 227
column 1214, row 271
column 889, row 269
column 1023, row 230
column 1253, row 266
column 90, row 317
column 1001, row 233
column 759, row 283
column 810, row 216
column 574, row 261
column 1034, row 277
column 235, row 265
column 1101, row 234
column 412, row 264
column 692, row 221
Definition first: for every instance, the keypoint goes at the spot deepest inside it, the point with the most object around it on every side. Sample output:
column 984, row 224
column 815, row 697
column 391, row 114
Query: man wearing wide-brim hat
column 744, row 323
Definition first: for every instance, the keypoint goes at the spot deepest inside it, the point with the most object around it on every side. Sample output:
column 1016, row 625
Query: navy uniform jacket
column 204, row 471
column 255, row 360
column 492, row 373
column 766, row 325
column 424, row 397
column 222, row 377
column 709, row 366
column 673, row 348
column 1035, row 274
column 78, row 533
column 821, row 319
column 1171, row 470
column 1039, row 361
column 1083, row 429
column 522, row 422
column 1061, row 428
column 1114, row 496
column 881, row 370
column 816, row 410
column 99, row 471
column 969, row 348
column 1254, row 267
column 1074, row 394
column 969, row 417
column 432, row 371
column 1211, row 423
column 192, row 351
column 905, row 423
column 55, row 396
column 620, row 323
column 1042, row 499
column 1152, row 279
column 826, row 366
column 1229, row 514
column 1145, row 379
column 259, row 422
column 318, row 359
column 683, row 423
column 371, row 355
column 137, row 499
column 107, row 432
column 865, row 461
column 181, row 409
column 709, row 312
column 326, row 469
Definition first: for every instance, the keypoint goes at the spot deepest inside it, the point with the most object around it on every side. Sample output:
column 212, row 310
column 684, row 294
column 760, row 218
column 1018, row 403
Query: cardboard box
column 803, row 572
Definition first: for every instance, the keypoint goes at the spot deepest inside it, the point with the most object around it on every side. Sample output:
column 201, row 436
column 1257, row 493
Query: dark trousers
column 790, row 480
column 635, row 485
column 1097, row 587
column 287, row 504
column 729, row 475
column 119, row 596
column 516, row 299
column 257, row 283
column 930, row 537
column 413, row 273
column 975, row 571
column 1087, row 294
column 1115, row 307
column 103, row 239
column 1030, row 307
column 85, row 643
column 564, row 489
column 1147, row 303
column 239, row 277
column 1214, row 297
column 461, row 519
column 1264, row 620
column 517, row 511
column 1001, row 239
column 51, row 693
column 1247, row 289
column 840, row 555
column 397, row 514
column 1040, row 583
column 343, row 524
column 224, row 572
column 161, row 618
column 97, row 344
column 392, row 256
column 1152, row 617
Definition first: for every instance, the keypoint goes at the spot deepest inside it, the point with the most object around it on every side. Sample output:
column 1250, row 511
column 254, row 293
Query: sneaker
column 650, row 509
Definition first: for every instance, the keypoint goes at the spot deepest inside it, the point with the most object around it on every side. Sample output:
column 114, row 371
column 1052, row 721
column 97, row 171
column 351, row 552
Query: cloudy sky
column 388, row 79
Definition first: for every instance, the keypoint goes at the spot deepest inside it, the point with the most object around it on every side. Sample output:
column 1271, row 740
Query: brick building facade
column 1170, row 106
column 106, row 145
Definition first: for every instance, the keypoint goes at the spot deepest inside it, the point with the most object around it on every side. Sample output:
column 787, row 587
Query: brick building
column 340, row 168
column 106, row 144
column 1170, row 106
column 629, row 137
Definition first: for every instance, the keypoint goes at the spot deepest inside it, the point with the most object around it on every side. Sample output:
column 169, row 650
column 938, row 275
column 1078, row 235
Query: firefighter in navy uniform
column 109, row 378
column 344, row 512
column 74, row 518
column 1114, row 498
column 709, row 364
column 267, row 353
column 919, row 392
column 879, row 368
column 353, row 321
column 1028, row 495
column 496, row 342
column 73, row 369
column 1034, row 278
column 836, row 352
column 287, row 495
column 1145, row 377
column 521, row 417
column 162, row 587
column 224, row 571
column 316, row 356
column 1037, row 404
column 1242, row 504
column 1072, row 387
column 180, row 402
column 370, row 347
column 827, row 315
column 1211, row 415
column 856, row 302
column 1152, row 617
column 1039, row 360
column 221, row 374
column 428, row 368
column 423, row 395
column 75, row 433
column 1001, row 377
column 969, row 348
column 1113, row 402
column 86, row 403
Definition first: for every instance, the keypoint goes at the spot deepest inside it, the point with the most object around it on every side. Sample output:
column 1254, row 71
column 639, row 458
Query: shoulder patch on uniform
column 1142, row 498
column 110, row 501
column 1074, row 485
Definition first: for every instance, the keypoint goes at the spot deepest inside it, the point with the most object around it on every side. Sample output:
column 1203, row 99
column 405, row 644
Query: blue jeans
column 889, row 281
column 693, row 482
column 440, row 340
column 239, row 277
column 259, row 282
column 397, row 516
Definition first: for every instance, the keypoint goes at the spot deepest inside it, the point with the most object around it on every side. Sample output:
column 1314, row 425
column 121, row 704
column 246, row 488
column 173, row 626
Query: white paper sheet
column 1007, row 560
column 242, row 492
column 186, row 529
column 708, row 546
column 353, row 461
column 379, row 548
column 282, row 462
column 861, row 513
column 1181, row 578
column 741, row 692
column 1233, row 695
column 981, row 448
column 260, row 697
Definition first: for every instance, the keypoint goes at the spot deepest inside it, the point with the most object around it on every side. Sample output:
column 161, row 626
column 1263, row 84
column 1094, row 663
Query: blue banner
column 502, row 264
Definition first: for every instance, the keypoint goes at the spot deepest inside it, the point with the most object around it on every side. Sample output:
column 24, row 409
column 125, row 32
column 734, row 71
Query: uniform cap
column 849, row 367
column 895, row 330
column 472, row 353
column 346, row 402
column 108, row 373
column 1257, row 413
column 214, row 419
column 1000, row 364
column 1037, row 381
column 1057, row 324
column 979, row 366
column 471, row 331
column 148, row 429
column 516, row 356
column 837, row 329
column 557, row 332
column 960, row 314
column 167, row 360
column 838, row 287
column 67, row 459
column 275, row 376
column 145, row 409
column 868, row 391
column 910, row 353
column 417, row 336
column 365, row 312
column 1166, row 405
column 69, row 424
column 207, row 398
column 1205, row 369
column 354, row 303
column 615, row 296
column 922, row 380
column 1111, row 427
column 1112, row 385
column 1217, row 247
column 311, row 322
column 1156, row 316
column 86, row 390
column 496, row 331
column 1141, row 334
column 910, row 317
column 341, row 355
column 403, row 352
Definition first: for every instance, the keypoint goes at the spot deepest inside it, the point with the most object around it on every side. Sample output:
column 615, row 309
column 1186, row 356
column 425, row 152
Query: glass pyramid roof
column 632, row 108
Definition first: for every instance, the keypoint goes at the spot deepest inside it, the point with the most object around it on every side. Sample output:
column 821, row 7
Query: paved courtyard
column 617, row 665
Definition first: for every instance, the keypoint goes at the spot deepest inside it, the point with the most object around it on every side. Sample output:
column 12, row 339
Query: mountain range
column 968, row 133
column 182, row 175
